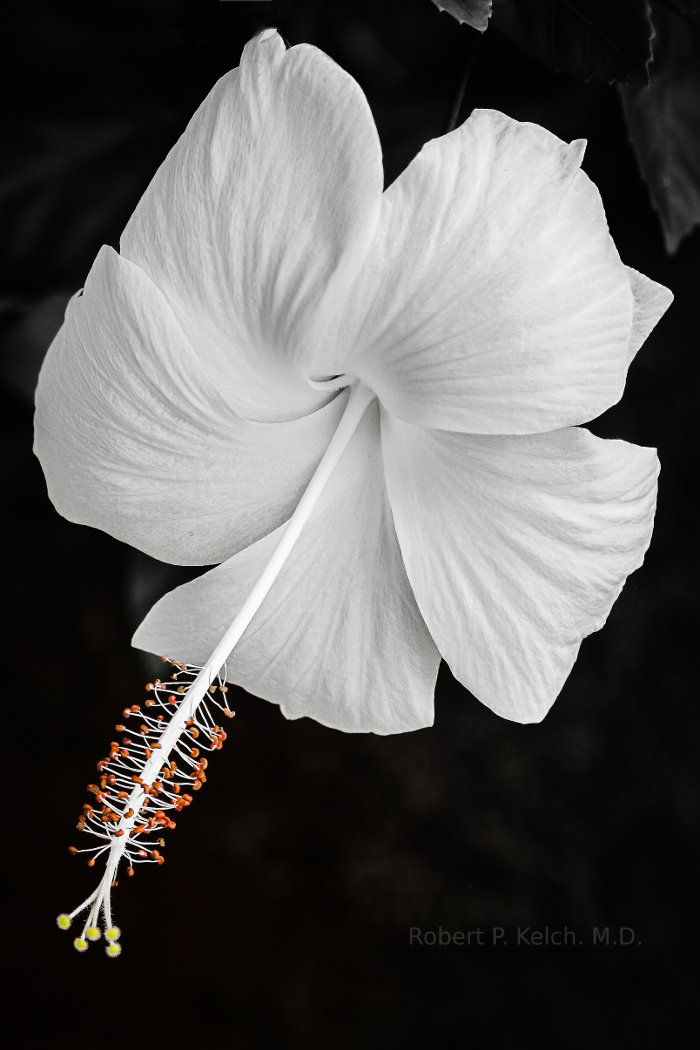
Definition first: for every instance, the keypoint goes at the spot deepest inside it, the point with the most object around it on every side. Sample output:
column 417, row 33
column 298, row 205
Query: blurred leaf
column 689, row 9
column 75, row 181
column 474, row 13
column 99, row 89
column 593, row 39
column 664, row 126
column 26, row 329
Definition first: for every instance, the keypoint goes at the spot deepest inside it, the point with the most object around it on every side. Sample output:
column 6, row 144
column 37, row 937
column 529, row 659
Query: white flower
column 197, row 381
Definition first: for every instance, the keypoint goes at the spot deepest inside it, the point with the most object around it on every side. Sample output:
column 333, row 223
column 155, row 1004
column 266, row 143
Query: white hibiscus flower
column 434, row 347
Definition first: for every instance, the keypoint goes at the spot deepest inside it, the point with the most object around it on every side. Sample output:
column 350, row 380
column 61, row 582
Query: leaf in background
column 26, row 329
column 99, row 92
column 689, row 9
column 474, row 13
column 607, row 40
column 663, row 126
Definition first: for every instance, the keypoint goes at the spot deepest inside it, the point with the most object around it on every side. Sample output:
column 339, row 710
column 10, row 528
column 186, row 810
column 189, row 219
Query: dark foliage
column 474, row 13
column 663, row 126
column 592, row 39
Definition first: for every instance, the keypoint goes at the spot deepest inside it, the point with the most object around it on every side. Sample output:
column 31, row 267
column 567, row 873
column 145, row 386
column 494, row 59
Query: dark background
column 283, row 913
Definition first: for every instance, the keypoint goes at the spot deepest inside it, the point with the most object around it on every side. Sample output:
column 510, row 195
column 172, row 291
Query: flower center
column 331, row 383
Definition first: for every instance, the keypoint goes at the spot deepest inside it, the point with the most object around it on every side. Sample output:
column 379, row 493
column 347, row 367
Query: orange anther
column 130, row 871
column 118, row 834
column 73, row 850
column 129, row 813
column 197, row 785
column 91, row 862
column 194, row 752
column 120, row 728
column 137, row 780
column 194, row 732
column 135, row 707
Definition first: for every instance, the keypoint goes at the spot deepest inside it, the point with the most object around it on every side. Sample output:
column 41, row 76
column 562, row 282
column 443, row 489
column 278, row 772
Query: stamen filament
column 139, row 781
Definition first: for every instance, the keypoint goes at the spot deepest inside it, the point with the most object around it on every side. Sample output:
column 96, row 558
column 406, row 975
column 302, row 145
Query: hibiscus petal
column 339, row 637
column 516, row 548
column 493, row 299
column 651, row 301
column 136, row 435
column 261, row 215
